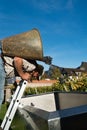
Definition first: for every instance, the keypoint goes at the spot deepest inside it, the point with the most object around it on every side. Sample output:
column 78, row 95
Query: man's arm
column 18, row 62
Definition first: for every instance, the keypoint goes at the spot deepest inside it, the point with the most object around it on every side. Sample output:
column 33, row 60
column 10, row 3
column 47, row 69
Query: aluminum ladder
column 13, row 105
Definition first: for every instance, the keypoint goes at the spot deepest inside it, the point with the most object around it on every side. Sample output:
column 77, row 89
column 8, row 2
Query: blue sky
column 62, row 25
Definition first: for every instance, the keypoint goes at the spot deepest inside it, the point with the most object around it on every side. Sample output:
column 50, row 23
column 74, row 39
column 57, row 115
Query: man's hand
column 26, row 76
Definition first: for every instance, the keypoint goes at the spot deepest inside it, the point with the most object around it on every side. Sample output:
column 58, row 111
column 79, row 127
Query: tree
column 55, row 73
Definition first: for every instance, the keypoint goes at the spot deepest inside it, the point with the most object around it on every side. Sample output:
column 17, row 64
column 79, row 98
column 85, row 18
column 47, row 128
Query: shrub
column 76, row 84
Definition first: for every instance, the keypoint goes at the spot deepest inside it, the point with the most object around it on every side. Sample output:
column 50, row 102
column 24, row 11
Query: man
column 26, row 69
column 19, row 67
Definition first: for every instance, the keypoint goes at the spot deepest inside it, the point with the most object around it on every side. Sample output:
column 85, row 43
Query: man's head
column 37, row 72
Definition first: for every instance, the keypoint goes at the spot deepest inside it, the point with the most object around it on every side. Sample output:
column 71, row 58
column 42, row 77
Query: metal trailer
column 55, row 111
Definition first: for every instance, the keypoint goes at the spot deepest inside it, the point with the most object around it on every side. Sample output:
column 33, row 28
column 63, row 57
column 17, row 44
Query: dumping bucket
column 27, row 45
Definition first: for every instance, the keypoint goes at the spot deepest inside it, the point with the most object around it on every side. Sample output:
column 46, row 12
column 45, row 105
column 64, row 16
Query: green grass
column 2, row 111
column 17, row 123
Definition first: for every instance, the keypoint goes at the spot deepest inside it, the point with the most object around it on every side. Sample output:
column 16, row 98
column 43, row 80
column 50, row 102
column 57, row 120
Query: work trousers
column 2, row 78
